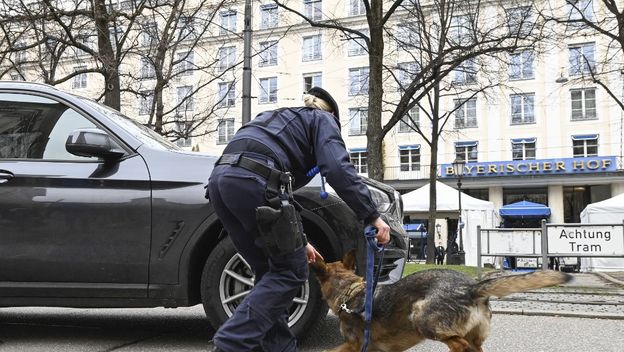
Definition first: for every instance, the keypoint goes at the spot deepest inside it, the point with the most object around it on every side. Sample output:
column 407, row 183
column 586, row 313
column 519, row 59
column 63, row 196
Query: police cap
column 323, row 94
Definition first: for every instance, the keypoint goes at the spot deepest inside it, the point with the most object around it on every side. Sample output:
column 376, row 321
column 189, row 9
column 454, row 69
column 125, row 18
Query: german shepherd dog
column 437, row 304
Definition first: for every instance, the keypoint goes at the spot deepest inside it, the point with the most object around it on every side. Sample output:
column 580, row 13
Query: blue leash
column 371, row 279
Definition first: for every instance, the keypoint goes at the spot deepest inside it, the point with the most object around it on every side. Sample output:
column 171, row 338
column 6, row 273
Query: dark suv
column 97, row 210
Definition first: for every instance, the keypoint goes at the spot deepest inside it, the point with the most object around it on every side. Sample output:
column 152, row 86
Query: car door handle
column 5, row 176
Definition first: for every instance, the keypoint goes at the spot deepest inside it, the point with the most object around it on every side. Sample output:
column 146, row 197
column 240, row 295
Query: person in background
column 251, row 190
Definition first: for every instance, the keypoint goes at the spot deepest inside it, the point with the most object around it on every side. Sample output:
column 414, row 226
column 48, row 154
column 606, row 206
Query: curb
column 553, row 313
column 609, row 278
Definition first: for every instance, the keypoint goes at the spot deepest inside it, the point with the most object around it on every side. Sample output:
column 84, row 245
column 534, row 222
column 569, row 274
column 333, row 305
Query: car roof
column 28, row 85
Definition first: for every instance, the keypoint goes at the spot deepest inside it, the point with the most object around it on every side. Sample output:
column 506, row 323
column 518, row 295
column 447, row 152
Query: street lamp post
column 458, row 168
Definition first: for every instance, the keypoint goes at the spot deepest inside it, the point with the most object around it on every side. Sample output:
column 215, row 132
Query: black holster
column 280, row 229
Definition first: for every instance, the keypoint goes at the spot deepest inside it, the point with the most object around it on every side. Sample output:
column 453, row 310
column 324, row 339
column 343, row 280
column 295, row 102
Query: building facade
column 546, row 134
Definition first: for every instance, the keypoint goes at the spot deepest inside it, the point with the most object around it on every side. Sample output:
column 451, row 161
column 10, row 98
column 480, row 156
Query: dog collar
column 353, row 290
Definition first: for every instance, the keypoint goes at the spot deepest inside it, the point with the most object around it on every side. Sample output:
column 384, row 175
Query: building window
column 520, row 21
column 227, row 57
column 20, row 55
column 465, row 113
column 268, row 90
column 523, row 149
column 358, row 81
column 466, row 151
column 268, row 16
column 582, row 59
column 409, row 157
column 80, row 80
column 227, row 94
column 186, row 27
column 358, row 120
column 521, row 65
column 406, row 72
column 585, row 145
column 583, row 104
column 268, row 53
column 522, row 109
column 579, row 11
column 185, row 64
column 357, row 45
column 146, row 100
column 356, row 7
column 407, row 36
column 312, row 48
column 17, row 77
column 228, row 22
column 225, row 130
column 410, row 121
column 359, row 160
column 184, row 99
column 461, row 29
column 183, row 129
column 466, row 72
column 149, row 34
column 312, row 80
column 312, row 9
column 147, row 69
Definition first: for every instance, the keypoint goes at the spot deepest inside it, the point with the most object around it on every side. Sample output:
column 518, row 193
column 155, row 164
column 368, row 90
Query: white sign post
column 586, row 240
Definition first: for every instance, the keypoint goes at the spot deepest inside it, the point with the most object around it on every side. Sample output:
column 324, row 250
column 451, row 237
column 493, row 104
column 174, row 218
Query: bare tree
column 601, row 63
column 46, row 29
column 436, row 39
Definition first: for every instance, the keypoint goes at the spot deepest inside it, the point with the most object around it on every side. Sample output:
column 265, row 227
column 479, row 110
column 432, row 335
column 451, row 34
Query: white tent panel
column 474, row 212
column 609, row 211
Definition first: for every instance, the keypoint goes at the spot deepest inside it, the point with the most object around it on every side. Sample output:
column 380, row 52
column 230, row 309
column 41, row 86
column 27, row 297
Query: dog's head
column 325, row 271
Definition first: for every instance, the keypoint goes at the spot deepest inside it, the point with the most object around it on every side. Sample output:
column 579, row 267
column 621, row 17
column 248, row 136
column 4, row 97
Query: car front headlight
column 380, row 198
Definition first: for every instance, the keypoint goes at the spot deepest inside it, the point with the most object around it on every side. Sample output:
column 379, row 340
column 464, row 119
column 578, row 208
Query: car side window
column 33, row 127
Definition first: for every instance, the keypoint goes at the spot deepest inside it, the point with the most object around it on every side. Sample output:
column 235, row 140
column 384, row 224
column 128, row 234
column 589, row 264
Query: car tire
column 226, row 278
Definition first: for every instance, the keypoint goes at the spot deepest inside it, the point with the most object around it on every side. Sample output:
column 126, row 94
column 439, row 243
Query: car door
column 70, row 226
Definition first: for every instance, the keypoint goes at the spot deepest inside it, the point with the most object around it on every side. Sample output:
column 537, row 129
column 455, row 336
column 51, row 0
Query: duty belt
column 277, row 180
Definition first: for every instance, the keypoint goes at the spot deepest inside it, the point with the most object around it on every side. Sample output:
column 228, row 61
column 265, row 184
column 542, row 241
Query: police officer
column 266, row 159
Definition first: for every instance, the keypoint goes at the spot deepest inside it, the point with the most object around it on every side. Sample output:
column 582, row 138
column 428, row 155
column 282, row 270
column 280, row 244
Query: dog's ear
column 349, row 260
column 319, row 268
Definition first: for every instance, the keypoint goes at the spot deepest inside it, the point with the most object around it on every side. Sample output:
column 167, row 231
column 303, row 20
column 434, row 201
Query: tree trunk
column 433, row 175
column 110, row 69
column 374, row 138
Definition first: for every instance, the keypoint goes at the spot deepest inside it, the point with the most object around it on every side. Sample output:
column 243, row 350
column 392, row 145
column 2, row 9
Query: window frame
column 584, row 102
column 520, row 60
column 313, row 51
column 226, row 133
column 413, row 158
column 526, row 147
column 584, row 143
column 356, row 82
column 359, row 114
column 525, row 119
column 268, row 53
column 268, row 96
column 465, row 108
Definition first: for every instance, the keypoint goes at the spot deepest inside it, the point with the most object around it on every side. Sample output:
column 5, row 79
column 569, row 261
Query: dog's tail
column 507, row 285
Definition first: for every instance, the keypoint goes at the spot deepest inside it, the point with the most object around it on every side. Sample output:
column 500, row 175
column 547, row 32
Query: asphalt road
column 133, row 330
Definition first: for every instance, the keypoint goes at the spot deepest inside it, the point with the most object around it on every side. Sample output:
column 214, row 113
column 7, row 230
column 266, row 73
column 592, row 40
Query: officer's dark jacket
column 301, row 138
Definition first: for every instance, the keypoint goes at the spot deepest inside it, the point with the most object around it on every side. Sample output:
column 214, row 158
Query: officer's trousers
column 261, row 319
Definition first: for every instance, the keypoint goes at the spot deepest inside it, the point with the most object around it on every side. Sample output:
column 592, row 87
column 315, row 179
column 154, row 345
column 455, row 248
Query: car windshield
column 141, row 132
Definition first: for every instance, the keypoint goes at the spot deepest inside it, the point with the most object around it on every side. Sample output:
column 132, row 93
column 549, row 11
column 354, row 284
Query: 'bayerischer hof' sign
column 586, row 240
column 536, row 167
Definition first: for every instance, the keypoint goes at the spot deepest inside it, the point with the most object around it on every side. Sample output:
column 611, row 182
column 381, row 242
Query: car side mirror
column 93, row 142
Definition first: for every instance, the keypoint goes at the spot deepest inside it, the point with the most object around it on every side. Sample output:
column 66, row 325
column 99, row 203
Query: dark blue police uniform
column 294, row 140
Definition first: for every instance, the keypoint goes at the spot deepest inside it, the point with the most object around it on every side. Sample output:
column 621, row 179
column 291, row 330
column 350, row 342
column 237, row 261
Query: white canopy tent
column 609, row 211
column 474, row 212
